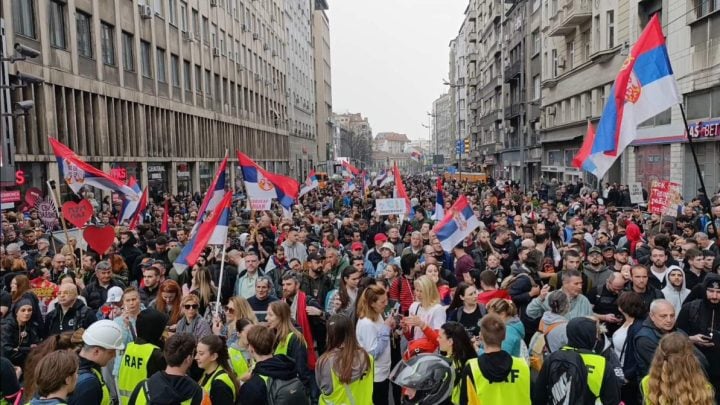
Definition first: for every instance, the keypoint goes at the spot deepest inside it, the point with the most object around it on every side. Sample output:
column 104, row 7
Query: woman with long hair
column 219, row 379
column 344, row 373
column 168, row 301
column 63, row 341
column 675, row 375
column 425, row 311
column 236, row 309
column 240, row 357
column 202, row 286
column 515, row 331
column 432, row 271
column 454, row 341
column 288, row 340
column 20, row 289
column 465, row 309
column 373, row 334
column 633, row 310
column 19, row 332
column 191, row 321
column 388, row 277
column 348, row 291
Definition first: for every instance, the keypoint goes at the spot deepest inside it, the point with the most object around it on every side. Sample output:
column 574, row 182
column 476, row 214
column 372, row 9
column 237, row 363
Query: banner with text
column 664, row 198
column 636, row 193
column 390, row 206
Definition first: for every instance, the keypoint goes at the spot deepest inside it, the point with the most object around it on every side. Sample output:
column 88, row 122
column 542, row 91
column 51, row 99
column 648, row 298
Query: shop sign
column 708, row 129
column 119, row 173
column 156, row 169
column 10, row 196
column 489, row 160
column 183, row 171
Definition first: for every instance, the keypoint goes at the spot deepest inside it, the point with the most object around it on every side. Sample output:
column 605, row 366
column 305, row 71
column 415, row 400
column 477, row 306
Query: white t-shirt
column 433, row 317
column 618, row 340
column 367, row 334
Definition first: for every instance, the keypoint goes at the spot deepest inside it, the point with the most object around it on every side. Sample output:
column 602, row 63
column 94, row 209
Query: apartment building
column 440, row 124
column 323, row 81
column 160, row 89
column 458, row 86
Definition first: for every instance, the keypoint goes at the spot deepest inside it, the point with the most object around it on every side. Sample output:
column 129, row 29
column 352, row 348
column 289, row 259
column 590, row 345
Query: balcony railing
column 491, row 117
column 490, row 86
column 512, row 110
column 512, row 71
column 572, row 14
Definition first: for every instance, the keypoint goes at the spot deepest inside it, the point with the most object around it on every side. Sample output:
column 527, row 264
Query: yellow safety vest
column 282, row 347
column 105, row 391
column 222, row 375
column 238, row 362
column 360, row 390
column 514, row 390
column 595, row 364
column 142, row 397
column 457, row 384
column 133, row 368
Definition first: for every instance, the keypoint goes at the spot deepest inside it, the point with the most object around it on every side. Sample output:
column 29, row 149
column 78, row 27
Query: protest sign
column 664, row 198
column 636, row 193
column 390, row 206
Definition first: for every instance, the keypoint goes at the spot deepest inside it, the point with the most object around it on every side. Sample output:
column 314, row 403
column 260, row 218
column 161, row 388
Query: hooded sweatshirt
column 674, row 295
column 166, row 389
column 254, row 391
column 557, row 337
column 494, row 366
column 150, row 325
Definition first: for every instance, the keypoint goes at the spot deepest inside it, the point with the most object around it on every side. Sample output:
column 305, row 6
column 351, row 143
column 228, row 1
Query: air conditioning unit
column 257, row 77
column 187, row 36
column 213, row 3
column 145, row 11
column 244, row 28
column 216, row 51
column 274, row 54
column 240, row 67
column 256, row 36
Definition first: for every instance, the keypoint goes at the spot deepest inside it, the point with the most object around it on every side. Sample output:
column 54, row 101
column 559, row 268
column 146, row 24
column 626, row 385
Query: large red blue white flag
column 130, row 207
column 644, row 88
column 215, row 194
column 311, row 183
column 457, row 224
column 77, row 173
column 262, row 186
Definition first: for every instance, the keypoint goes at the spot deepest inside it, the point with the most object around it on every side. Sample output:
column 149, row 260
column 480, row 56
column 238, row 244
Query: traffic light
column 467, row 145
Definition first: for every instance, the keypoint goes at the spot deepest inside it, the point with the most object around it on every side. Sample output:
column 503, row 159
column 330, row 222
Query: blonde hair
column 502, row 306
column 369, row 296
column 282, row 311
column 190, row 297
column 675, row 376
column 243, row 310
column 429, row 290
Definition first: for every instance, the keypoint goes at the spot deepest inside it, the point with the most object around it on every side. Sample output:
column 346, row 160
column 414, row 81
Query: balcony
column 572, row 14
column 513, row 110
column 491, row 117
column 474, row 80
column 490, row 86
column 472, row 56
column 472, row 36
column 513, row 71
column 474, row 105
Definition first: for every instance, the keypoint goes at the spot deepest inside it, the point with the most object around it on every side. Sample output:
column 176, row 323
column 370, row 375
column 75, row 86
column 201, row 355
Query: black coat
column 15, row 348
column 96, row 295
column 77, row 316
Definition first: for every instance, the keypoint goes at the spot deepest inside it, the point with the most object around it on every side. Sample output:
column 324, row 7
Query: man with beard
column 503, row 245
column 621, row 258
column 161, row 250
column 700, row 319
column 315, row 283
column 595, row 269
column 659, row 268
column 305, row 310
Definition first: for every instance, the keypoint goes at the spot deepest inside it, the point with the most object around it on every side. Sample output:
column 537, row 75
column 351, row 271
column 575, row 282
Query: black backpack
column 567, row 378
column 286, row 392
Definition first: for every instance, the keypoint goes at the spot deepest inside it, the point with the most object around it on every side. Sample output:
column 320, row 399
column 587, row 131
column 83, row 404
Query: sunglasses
column 230, row 310
column 193, row 306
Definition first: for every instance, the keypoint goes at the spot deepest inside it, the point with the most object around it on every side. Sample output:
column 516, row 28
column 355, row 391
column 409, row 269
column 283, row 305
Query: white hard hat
column 106, row 334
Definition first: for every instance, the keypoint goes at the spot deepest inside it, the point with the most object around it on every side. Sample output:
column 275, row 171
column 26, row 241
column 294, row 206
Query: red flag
column 586, row 147
column 137, row 218
column 400, row 191
column 354, row 170
column 164, row 225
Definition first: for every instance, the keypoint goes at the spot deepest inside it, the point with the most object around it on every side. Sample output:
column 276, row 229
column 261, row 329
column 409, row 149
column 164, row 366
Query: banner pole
column 697, row 167
column 57, row 209
column 220, row 277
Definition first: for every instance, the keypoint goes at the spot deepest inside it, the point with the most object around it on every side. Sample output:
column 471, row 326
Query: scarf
column 184, row 327
column 299, row 310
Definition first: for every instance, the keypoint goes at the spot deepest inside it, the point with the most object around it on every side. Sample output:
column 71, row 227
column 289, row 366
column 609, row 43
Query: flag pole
column 697, row 166
column 55, row 198
column 220, row 277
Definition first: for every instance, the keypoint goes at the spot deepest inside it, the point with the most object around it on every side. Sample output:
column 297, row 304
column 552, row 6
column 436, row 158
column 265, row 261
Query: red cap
column 380, row 237
column 356, row 246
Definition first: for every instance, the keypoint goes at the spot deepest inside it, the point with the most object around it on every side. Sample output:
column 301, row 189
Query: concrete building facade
column 323, row 81
column 300, row 70
column 440, row 128
column 160, row 90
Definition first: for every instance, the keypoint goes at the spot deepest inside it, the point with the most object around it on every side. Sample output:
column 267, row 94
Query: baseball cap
column 114, row 295
column 608, row 247
column 356, row 246
column 380, row 237
column 595, row 249
column 622, row 250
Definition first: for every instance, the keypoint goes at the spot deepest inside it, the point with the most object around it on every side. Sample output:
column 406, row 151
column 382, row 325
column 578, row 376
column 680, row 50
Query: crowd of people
column 563, row 294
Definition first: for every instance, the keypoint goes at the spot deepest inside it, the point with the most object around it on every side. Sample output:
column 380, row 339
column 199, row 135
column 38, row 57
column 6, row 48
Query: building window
column 24, row 17
column 175, row 70
column 158, row 6
column 172, row 11
column 206, row 30
column 145, row 58
column 187, row 72
column 160, row 65
column 611, row 29
column 231, row 48
column 183, row 16
column 222, row 42
column 536, row 87
column 536, row 42
column 208, row 84
column 703, row 105
column 196, row 23
column 84, row 36
column 570, row 47
column 554, row 63
column 198, row 79
column 108, row 44
column 127, row 49
column 57, row 24
column 554, row 158
column 213, row 36
column 705, row 7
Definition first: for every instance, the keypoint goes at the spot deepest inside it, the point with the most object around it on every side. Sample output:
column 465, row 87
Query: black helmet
column 430, row 375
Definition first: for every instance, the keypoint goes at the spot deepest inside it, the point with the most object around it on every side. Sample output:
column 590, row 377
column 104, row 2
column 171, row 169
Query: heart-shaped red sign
column 77, row 213
column 99, row 238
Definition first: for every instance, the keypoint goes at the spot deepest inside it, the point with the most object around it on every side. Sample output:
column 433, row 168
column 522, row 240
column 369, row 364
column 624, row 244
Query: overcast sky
column 389, row 58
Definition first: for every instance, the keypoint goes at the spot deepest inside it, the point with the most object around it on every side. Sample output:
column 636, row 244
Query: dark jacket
column 96, row 295
column 166, row 389
column 230, row 274
column 77, row 316
column 13, row 348
column 254, row 391
column 130, row 253
column 630, row 363
column 88, row 389
column 698, row 317
column 147, row 294
column 150, row 325
column 646, row 342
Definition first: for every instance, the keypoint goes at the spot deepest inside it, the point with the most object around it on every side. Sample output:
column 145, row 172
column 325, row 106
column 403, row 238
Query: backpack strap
column 147, row 391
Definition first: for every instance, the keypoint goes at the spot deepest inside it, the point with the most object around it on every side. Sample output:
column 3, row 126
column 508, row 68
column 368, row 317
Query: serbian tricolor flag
column 416, row 155
column 311, row 183
column 586, row 147
column 348, row 186
column 262, row 186
column 165, row 218
column 349, row 167
column 213, row 231
column 77, row 173
column 137, row 217
column 399, row 190
column 130, row 207
column 383, row 177
column 215, row 194
column 644, row 88
column 457, row 224
column 439, row 200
